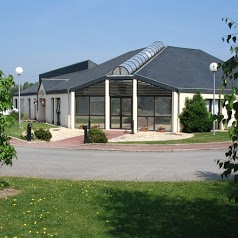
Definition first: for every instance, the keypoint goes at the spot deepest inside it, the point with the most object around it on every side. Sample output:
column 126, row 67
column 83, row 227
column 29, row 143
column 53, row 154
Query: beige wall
column 27, row 105
column 64, row 109
column 178, row 103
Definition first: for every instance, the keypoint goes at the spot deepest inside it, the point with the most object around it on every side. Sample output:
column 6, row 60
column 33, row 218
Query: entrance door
column 121, row 113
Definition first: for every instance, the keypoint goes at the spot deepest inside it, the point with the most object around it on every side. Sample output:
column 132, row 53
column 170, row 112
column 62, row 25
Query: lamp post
column 213, row 68
column 19, row 71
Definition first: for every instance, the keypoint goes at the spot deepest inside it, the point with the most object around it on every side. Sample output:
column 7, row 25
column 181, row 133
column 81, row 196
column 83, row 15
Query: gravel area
column 151, row 136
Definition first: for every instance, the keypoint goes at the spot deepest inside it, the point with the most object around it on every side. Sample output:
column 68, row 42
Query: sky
column 43, row 35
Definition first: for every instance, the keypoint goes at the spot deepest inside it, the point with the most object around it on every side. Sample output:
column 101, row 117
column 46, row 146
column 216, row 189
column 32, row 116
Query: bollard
column 132, row 127
column 85, row 128
column 28, row 133
column 89, row 123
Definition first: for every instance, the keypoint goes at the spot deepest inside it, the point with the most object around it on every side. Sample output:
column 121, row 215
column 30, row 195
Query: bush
column 96, row 135
column 15, row 115
column 43, row 134
column 195, row 117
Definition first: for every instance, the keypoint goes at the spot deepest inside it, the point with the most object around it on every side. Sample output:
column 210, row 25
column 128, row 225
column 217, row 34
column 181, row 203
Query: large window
column 155, row 112
column 90, row 109
column 82, row 105
column 209, row 104
column 145, row 106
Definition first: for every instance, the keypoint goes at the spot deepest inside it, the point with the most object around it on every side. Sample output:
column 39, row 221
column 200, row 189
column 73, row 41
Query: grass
column 15, row 131
column 93, row 209
column 205, row 137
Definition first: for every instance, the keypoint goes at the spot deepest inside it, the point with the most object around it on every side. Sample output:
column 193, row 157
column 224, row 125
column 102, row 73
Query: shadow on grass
column 140, row 214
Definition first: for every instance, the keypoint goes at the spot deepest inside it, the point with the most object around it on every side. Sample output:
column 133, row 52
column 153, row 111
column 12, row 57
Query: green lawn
column 15, row 131
column 101, row 209
column 205, row 137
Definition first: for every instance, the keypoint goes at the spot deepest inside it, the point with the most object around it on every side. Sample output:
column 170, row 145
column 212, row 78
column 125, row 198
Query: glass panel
column 115, row 122
column 210, row 109
column 126, row 106
column 163, row 106
column 97, row 105
column 98, row 121
column 126, row 123
column 146, row 122
column 115, row 106
column 80, row 121
column 208, row 105
column 82, row 105
column 145, row 106
column 163, row 123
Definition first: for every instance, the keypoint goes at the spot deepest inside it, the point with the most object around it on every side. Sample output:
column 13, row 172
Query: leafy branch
column 230, row 103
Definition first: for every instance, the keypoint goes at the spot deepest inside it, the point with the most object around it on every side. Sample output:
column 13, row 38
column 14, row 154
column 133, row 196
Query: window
column 209, row 103
column 90, row 109
column 155, row 112
column 145, row 106
column 82, row 105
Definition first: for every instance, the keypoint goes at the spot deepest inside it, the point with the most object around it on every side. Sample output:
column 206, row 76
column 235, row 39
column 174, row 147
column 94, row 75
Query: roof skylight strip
column 135, row 62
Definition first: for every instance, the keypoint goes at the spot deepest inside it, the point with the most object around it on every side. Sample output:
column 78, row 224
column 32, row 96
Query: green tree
column 14, row 88
column 195, row 117
column 27, row 85
column 230, row 103
column 7, row 151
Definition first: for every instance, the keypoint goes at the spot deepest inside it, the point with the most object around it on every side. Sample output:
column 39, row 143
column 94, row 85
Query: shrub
column 195, row 117
column 43, row 134
column 96, row 135
column 14, row 115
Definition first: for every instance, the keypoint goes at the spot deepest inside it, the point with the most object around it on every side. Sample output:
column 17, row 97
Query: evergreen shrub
column 195, row 116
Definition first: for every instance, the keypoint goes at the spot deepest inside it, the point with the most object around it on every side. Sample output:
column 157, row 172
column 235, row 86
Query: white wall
column 183, row 97
column 64, row 109
column 27, row 105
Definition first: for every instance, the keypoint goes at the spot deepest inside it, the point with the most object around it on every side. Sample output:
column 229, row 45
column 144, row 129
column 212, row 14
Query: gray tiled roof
column 181, row 69
column 50, row 84
column 83, row 65
column 29, row 91
column 93, row 75
column 174, row 68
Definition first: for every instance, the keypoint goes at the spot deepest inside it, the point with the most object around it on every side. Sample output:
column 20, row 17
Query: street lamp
column 213, row 68
column 19, row 71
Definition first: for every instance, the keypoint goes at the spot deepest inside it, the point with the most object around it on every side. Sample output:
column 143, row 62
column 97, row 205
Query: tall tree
column 7, row 151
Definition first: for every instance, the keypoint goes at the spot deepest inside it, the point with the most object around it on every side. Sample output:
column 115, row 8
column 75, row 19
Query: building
column 144, row 88
column 28, row 101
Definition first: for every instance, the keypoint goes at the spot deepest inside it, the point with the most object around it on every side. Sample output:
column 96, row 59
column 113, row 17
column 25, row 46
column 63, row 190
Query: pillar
column 134, row 105
column 175, row 112
column 107, row 105
column 72, row 110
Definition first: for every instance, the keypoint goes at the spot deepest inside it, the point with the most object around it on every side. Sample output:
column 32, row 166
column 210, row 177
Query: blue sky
column 42, row 35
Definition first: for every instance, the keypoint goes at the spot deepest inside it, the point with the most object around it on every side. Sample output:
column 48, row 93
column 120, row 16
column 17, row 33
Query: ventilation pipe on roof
column 134, row 63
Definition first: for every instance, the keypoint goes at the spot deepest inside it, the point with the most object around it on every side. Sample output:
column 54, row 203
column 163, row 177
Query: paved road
column 115, row 165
